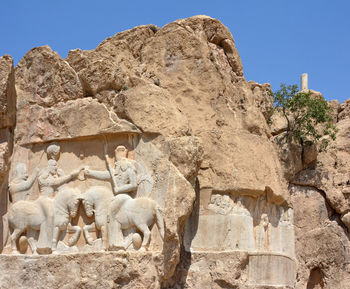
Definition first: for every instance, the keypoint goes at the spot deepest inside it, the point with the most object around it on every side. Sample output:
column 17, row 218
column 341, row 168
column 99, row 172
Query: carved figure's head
column 290, row 216
column 120, row 152
column 52, row 167
column 21, row 171
column 53, row 152
column 264, row 220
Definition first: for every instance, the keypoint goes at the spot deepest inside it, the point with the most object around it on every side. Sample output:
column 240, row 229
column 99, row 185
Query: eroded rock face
column 155, row 149
column 319, row 185
column 44, row 78
column 7, row 92
column 322, row 242
column 7, row 124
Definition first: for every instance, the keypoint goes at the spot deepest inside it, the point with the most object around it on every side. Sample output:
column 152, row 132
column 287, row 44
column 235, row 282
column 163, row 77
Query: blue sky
column 278, row 40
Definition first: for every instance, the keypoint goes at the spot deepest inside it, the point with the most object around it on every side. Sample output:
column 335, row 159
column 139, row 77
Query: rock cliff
column 241, row 208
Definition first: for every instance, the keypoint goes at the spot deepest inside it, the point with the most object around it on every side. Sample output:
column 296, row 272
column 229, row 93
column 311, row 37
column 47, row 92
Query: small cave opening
column 315, row 279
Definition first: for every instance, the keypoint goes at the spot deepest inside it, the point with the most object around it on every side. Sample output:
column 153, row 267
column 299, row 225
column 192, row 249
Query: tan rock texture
column 322, row 242
column 193, row 70
column 319, row 189
column 7, row 124
column 179, row 95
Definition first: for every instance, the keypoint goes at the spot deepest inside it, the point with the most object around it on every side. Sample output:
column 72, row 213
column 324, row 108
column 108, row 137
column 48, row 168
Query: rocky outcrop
column 192, row 69
column 7, row 124
column 199, row 141
column 322, row 242
column 318, row 187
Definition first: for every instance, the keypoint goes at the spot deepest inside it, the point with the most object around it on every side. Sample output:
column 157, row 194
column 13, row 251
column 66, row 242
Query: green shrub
column 309, row 118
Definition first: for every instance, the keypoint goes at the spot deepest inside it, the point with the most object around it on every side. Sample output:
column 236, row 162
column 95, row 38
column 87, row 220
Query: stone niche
column 64, row 198
column 231, row 222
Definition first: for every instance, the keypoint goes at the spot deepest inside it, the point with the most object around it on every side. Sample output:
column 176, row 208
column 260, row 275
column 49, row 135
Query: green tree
column 309, row 118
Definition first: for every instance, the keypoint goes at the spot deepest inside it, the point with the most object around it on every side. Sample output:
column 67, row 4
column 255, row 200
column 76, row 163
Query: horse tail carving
column 160, row 220
column 6, row 229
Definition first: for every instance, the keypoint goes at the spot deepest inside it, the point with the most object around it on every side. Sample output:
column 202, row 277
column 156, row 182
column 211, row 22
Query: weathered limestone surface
column 7, row 124
column 322, row 242
column 319, row 186
column 189, row 66
column 87, row 270
column 148, row 162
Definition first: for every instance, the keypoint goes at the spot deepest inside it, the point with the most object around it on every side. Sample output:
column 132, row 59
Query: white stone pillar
column 304, row 81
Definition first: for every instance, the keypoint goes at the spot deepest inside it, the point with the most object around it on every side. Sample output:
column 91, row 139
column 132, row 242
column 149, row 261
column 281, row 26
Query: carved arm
column 49, row 181
column 24, row 185
column 100, row 175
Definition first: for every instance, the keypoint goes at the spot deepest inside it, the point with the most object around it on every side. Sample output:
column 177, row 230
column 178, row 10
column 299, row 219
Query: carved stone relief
column 109, row 200
column 240, row 222
column 112, row 190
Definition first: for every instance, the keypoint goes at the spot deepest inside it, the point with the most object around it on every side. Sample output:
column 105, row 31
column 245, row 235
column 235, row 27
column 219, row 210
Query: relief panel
column 85, row 195
column 234, row 222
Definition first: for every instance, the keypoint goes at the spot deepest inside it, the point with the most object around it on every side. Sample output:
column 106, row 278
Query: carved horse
column 113, row 214
column 66, row 206
column 95, row 201
column 24, row 216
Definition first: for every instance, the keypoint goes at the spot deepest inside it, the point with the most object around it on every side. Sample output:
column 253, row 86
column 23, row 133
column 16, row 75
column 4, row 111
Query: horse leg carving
column 45, row 237
column 146, row 235
column 14, row 236
column 77, row 231
column 88, row 229
column 31, row 240
column 5, row 225
column 104, row 238
column 129, row 235
column 56, row 232
column 160, row 221
column 115, row 235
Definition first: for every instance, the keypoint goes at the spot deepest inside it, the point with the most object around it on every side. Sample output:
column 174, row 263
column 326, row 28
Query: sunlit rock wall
column 148, row 163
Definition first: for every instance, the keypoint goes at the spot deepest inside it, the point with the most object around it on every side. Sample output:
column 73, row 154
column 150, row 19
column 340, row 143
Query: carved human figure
column 49, row 180
column 286, row 216
column 20, row 185
column 19, row 188
column 261, row 237
column 123, row 212
column 290, row 217
column 53, row 152
column 123, row 176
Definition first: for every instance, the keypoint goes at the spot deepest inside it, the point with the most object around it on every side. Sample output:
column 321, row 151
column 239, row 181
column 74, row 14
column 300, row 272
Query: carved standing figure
column 123, row 175
column 20, row 185
column 262, row 233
